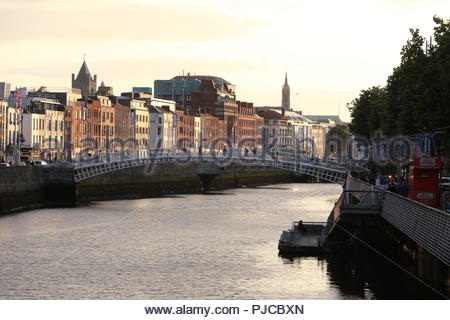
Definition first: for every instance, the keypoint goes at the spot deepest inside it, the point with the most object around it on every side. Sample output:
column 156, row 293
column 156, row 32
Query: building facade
column 76, row 129
column 185, row 131
column 245, row 135
column 123, row 129
column 203, row 94
column 3, row 128
column 140, row 123
column 319, row 137
column 213, row 135
column 278, row 132
column 13, row 135
column 163, row 125
column 5, row 89
column 43, row 131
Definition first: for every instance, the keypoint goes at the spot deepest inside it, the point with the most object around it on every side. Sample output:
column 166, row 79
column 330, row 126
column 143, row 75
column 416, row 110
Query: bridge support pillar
column 207, row 172
column 60, row 187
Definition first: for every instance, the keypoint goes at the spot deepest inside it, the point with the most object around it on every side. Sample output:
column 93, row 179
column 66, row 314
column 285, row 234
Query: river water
column 206, row 246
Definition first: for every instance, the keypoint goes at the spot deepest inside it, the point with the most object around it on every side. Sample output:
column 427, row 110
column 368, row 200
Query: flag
column 16, row 100
column 132, row 117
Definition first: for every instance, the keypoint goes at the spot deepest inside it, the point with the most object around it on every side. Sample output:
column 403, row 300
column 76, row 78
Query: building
column 43, row 131
column 13, row 135
column 185, row 131
column 197, row 132
column 3, row 128
column 245, row 127
column 5, row 89
column 85, row 81
column 76, row 129
column 21, row 97
column 163, row 125
column 319, row 134
column 278, row 131
column 300, row 127
column 259, row 135
column 144, row 90
column 140, row 123
column 107, row 124
column 335, row 144
column 91, row 144
column 327, row 120
column 213, row 133
column 65, row 96
column 137, row 95
column 123, row 129
column 204, row 94
column 286, row 95
column 104, row 90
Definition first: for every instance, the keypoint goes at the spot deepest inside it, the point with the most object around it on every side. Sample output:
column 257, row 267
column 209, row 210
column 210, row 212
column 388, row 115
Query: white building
column 13, row 124
column 162, row 125
column 43, row 130
column 3, row 127
column 197, row 133
column 140, row 120
column 293, row 131
column 319, row 134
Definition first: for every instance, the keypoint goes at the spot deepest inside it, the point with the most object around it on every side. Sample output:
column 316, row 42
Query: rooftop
column 325, row 118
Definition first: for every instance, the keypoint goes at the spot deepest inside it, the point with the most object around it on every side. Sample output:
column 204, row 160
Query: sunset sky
column 331, row 49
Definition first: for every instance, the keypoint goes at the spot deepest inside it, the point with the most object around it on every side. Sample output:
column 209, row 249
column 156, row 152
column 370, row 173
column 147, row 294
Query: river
column 204, row 246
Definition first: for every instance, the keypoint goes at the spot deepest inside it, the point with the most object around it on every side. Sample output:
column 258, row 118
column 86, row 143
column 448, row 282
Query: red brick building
column 94, row 126
column 213, row 133
column 75, row 124
column 245, row 131
column 185, row 133
column 123, row 129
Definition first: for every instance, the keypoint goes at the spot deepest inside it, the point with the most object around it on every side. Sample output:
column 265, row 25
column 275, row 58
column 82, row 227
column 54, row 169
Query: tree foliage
column 416, row 97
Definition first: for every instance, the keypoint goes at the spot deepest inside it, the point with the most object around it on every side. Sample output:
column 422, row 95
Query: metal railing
column 429, row 227
column 366, row 199
column 328, row 171
column 87, row 170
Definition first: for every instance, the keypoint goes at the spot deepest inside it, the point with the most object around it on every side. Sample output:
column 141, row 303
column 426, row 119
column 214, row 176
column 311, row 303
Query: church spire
column 286, row 95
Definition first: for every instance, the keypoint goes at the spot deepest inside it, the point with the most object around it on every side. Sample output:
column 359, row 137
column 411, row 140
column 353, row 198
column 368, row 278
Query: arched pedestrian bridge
column 330, row 171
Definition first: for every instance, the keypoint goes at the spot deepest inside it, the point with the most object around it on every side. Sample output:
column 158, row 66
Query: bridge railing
column 371, row 199
column 284, row 159
column 429, row 227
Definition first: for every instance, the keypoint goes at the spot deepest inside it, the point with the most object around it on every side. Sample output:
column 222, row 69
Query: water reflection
column 197, row 246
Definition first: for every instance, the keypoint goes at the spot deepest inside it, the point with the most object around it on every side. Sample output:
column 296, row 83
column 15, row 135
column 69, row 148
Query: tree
column 366, row 110
column 416, row 98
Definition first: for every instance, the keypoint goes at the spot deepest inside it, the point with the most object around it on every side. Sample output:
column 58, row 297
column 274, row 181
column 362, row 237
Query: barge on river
column 302, row 239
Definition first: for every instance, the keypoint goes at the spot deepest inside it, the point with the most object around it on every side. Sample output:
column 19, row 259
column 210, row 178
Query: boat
column 302, row 239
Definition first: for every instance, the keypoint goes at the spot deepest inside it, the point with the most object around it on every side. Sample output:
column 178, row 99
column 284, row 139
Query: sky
column 330, row 49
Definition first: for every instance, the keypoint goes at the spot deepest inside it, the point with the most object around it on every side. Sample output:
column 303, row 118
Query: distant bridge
column 330, row 171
